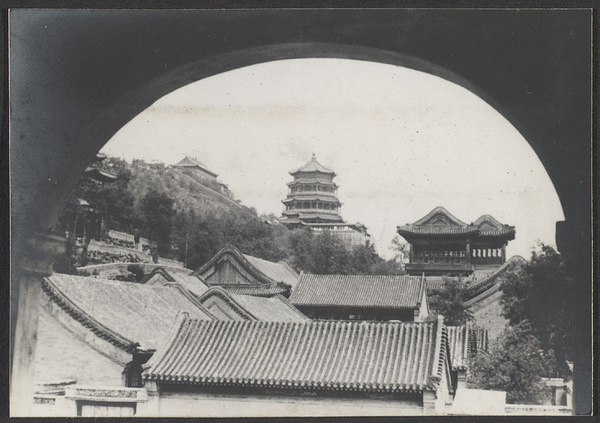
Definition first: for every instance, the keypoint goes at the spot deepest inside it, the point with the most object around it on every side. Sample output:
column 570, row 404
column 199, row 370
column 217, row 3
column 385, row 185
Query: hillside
column 191, row 219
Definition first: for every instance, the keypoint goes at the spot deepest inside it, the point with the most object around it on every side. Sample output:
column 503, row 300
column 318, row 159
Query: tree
column 514, row 365
column 158, row 212
column 401, row 250
column 541, row 292
column 450, row 302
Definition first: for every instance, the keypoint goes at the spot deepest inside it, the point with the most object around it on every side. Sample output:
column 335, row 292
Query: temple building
column 362, row 297
column 441, row 244
column 312, row 201
column 200, row 173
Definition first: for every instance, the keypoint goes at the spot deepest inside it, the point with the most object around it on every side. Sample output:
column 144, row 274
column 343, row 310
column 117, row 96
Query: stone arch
column 77, row 78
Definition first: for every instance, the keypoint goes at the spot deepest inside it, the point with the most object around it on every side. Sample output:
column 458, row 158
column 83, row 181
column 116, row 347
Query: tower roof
column 313, row 166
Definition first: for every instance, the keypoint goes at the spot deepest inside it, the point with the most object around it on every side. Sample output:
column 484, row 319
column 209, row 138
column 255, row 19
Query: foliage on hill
column 191, row 219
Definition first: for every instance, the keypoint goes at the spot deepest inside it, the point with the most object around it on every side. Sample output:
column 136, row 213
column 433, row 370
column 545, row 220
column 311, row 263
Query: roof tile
column 133, row 312
column 377, row 291
column 349, row 356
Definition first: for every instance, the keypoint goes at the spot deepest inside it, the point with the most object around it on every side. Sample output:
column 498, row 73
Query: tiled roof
column 440, row 221
column 482, row 285
column 122, row 312
column 320, row 215
column 187, row 162
column 489, row 226
column 376, row 291
column 160, row 276
column 264, row 271
column 272, row 309
column 279, row 272
column 313, row 166
column 462, row 344
column 300, row 180
column 436, row 230
column 257, row 291
column 435, row 283
column 324, row 355
column 331, row 198
column 439, row 210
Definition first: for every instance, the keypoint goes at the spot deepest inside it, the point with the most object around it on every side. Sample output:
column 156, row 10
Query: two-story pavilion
column 442, row 244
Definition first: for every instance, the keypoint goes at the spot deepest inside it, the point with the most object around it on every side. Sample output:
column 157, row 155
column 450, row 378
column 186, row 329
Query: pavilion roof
column 124, row 313
column 189, row 162
column 303, row 215
column 489, row 226
column 313, row 167
column 308, row 355
column 299, row 180
column 440, row 221
column 312, row 197
column 373, row 291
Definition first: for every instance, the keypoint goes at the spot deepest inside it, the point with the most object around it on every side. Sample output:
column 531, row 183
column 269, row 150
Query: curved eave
column 242, row 261
column 409, row 233
column 503, row 234
column 290, row 385
column 325, row 198
column 369, row 306
column 217, row 291
column 294, row 173
column 85, row 319
column 312, row 182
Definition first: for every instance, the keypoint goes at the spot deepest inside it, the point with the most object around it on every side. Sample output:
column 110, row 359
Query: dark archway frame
column 76, row 77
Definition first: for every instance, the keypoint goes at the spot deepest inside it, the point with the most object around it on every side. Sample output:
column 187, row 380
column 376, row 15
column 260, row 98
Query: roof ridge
column 160, row 270
column 243, row 261
column 436, row 210
column 191, row 297
column 285, row 301
column 227, row 297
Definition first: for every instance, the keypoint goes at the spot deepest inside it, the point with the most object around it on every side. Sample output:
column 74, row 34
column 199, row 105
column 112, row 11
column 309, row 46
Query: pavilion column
column 503, row 253
column 468, row 251
column 35, row 264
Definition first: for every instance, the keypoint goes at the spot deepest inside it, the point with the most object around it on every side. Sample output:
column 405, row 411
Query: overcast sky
column 401, row 142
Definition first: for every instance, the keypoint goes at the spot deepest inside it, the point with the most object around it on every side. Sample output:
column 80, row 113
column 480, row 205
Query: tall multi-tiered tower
column 312, row 197
column 312, row 201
